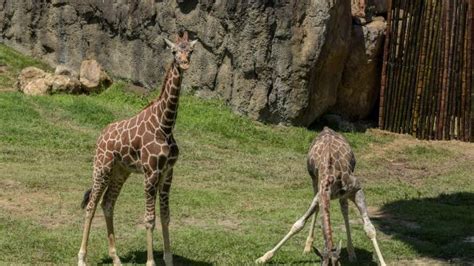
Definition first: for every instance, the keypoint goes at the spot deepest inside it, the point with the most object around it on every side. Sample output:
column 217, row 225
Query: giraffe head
column 329, row 258
column 182, row 50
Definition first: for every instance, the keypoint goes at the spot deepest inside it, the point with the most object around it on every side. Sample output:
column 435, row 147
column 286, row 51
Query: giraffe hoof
column 263, row 259
column 150, row 263
column 168, row 258
column 352, row 257
column 308, row 248
column 117, row 262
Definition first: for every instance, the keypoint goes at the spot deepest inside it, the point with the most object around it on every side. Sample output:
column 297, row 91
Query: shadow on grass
column 364, row 257
column 140, row 257
column 440, row 227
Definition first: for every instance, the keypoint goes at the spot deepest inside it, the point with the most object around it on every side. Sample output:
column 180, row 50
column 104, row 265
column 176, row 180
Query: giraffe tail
column 86, row 198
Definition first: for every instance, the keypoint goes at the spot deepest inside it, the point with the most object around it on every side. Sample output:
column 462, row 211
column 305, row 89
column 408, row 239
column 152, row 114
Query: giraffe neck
column 326, row 181
column 167, row 105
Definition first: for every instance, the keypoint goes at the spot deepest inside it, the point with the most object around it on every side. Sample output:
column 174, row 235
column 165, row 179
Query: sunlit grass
column 239, row 186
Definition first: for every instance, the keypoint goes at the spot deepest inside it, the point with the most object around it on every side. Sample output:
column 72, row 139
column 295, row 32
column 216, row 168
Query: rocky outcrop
column 64, row 84
column 358, row 90
column 92, row 77
column 368, row 8
column 66, row 71
column 34, row 81
column 275, row 61
column 27, row 75
column 35, row 87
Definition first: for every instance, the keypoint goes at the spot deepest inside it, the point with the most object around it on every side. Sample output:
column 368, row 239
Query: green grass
column 14, row 62
column 239, row 186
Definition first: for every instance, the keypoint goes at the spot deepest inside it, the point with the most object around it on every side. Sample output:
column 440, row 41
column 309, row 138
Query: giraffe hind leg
column 87, row 197
column 118, row 178
column 100, row 183
column 165, row 216
column 151, row 188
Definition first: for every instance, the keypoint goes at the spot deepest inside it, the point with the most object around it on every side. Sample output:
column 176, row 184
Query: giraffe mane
column 168, row 73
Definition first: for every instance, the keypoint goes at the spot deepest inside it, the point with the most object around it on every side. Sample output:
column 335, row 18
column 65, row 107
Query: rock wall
column 275, row 61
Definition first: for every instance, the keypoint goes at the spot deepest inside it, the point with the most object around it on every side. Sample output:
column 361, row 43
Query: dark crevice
column 186, row 6
column 48, row 49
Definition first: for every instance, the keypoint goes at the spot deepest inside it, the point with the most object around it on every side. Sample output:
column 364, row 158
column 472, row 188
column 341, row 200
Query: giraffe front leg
column 359, row 200
column 310, row 239
column 308, row 247
column 165, row 218
column 297, row 226
column 151, row 182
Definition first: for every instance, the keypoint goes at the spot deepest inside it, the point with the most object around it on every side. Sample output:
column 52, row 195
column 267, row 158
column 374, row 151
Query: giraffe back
column 331, row 154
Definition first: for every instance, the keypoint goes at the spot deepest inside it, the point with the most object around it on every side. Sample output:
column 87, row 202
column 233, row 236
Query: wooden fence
column 427, row 80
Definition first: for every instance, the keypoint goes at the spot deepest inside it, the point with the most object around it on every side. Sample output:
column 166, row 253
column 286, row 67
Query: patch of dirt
column 227, row 224
column 46, row 208
column 421, row 262
column 192, row 221
column 391, row 156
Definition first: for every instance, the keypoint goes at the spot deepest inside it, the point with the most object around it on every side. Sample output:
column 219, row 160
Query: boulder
column 34, row 81
column 360, row 84
column 92, row 77
column 63, row 84
column 27, row 75
column 66, row 71
column 39, row 86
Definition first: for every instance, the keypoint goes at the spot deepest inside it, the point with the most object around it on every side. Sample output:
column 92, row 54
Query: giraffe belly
column 135, row 168
column 133, row 165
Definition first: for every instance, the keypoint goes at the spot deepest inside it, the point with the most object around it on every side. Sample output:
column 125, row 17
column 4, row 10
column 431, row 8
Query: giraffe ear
column 170, row 44
column 192, row 43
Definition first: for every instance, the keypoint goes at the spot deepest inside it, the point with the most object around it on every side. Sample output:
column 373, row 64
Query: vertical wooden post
column 419, row 13
column 470, row 68
column 384, row 66
column 400, row 65
column 392, row 66
column 421, row 71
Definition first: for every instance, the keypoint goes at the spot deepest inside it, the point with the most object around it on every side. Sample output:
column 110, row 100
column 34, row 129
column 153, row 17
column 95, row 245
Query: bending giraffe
column 143, row 143
column 331, row 162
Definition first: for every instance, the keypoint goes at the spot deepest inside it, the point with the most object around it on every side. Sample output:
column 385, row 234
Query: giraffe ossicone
column 143, row 143
column 331, row 164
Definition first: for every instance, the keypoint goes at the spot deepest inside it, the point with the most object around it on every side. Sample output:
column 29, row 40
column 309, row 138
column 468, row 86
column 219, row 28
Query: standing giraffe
column 331, row 159
column 143, row 143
